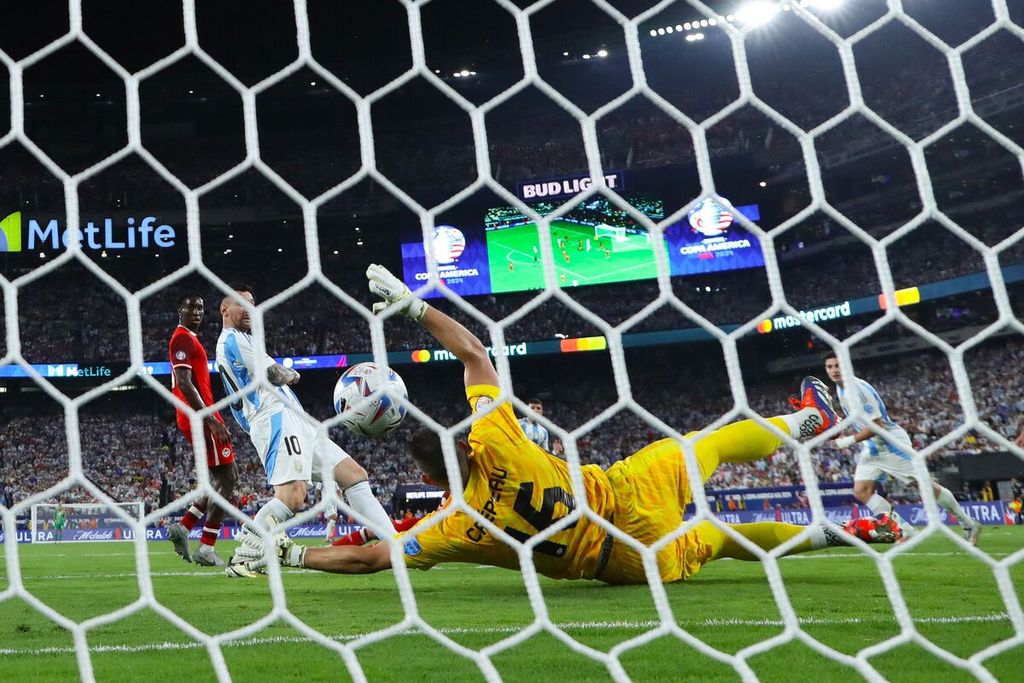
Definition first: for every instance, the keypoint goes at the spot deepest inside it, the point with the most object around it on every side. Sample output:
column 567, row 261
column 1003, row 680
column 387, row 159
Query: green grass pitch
column 515, row 263
column 838, row 595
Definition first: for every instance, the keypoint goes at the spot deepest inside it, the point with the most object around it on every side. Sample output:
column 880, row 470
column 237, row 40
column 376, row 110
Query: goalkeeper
column 523, row 490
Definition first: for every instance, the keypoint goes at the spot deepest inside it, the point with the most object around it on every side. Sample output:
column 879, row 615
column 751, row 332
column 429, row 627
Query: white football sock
column 362, row 500
column 275, row 507
column 802, row 423
column 877, row 504
column 948, row 502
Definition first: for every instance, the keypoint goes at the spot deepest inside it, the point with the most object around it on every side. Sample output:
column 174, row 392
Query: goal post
column 616, row 233
column 84, row 522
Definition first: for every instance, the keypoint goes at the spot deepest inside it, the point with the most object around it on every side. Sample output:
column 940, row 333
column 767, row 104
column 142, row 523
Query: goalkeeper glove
column 394, row 292
column 289, row 554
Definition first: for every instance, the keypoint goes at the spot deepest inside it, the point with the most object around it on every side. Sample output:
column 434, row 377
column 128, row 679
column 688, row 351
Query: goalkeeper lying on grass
column 522, row 490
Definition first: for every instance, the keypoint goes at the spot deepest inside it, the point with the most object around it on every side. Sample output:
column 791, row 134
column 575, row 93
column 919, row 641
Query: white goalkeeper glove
column 289, row 554
column 394, row 292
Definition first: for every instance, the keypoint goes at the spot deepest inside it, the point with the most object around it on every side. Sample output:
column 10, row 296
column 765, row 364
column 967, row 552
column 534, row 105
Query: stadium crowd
column 92, row 327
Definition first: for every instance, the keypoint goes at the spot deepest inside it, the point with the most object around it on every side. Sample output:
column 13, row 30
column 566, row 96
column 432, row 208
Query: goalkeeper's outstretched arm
column 451, row 334
column 346, row 559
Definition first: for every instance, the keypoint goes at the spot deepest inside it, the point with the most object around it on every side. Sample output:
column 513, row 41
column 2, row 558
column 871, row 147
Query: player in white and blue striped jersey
column 879, row 456
column 535, row 431
column 286, row 442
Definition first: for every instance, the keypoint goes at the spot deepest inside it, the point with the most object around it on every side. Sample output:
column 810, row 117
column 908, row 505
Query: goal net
column 613, row 233
column 73, row 522
column 810, row 148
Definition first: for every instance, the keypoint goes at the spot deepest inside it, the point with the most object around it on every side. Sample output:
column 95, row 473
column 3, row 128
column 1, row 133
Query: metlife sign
column 34, row 234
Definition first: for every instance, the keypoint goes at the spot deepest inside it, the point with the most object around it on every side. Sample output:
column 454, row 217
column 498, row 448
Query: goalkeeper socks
column 802, row 423
column 191, row 518
column 877, row 504
column 275, row 508
column 823, row 537
column 949, row 503
column 361, row 499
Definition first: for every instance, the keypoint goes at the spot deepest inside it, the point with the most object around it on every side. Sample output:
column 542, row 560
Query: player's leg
column 747, row 440
column 355, row 487
column 770, row 535
column 289, row 498
column 220, row 459
column 947, row 501
column 178, row 532
column 864, row 490
column 332, row 523
column 224, row 478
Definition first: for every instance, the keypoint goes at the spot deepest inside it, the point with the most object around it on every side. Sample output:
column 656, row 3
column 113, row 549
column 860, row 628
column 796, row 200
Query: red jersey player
column 191, row 384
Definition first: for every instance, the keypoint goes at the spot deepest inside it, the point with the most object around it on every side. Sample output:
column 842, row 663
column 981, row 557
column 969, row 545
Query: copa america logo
column 708, row 218
column 447, row 244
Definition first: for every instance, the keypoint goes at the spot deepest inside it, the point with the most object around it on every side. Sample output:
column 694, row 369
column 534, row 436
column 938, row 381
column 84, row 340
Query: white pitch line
column 848, row 555
column 498, row 630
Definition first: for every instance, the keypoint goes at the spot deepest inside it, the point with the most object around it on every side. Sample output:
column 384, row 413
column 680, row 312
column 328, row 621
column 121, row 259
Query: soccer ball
column 378, row 416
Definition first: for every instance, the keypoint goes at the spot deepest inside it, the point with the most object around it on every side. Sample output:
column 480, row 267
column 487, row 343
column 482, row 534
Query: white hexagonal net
column 807, row 139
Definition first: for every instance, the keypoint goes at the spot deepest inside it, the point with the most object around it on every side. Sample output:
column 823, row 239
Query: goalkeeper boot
column 906, row 528
column 878, row 529
column 815, row 394
column 178, row 535
column 207, row 557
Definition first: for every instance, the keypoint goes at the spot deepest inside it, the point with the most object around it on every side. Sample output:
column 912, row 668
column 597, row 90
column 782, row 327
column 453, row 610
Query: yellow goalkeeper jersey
column 522, row 490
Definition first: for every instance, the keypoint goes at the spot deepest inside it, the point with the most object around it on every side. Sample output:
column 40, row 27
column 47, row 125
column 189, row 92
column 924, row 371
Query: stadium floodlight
column 703, row 23
column 602, row 53
column 566, row 54
column 694, row 36
column 654, row 31
column 465, row 73
column 712, row 22
column 586, row 56
column 730, row 18
column 757, row 12
column 661, row 31
column 312, row 82
column 687, row 26
column 669, row 29
column 679, row 27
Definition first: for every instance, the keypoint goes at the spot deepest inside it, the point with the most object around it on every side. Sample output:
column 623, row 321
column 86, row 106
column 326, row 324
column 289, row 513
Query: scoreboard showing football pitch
column 595, row 243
